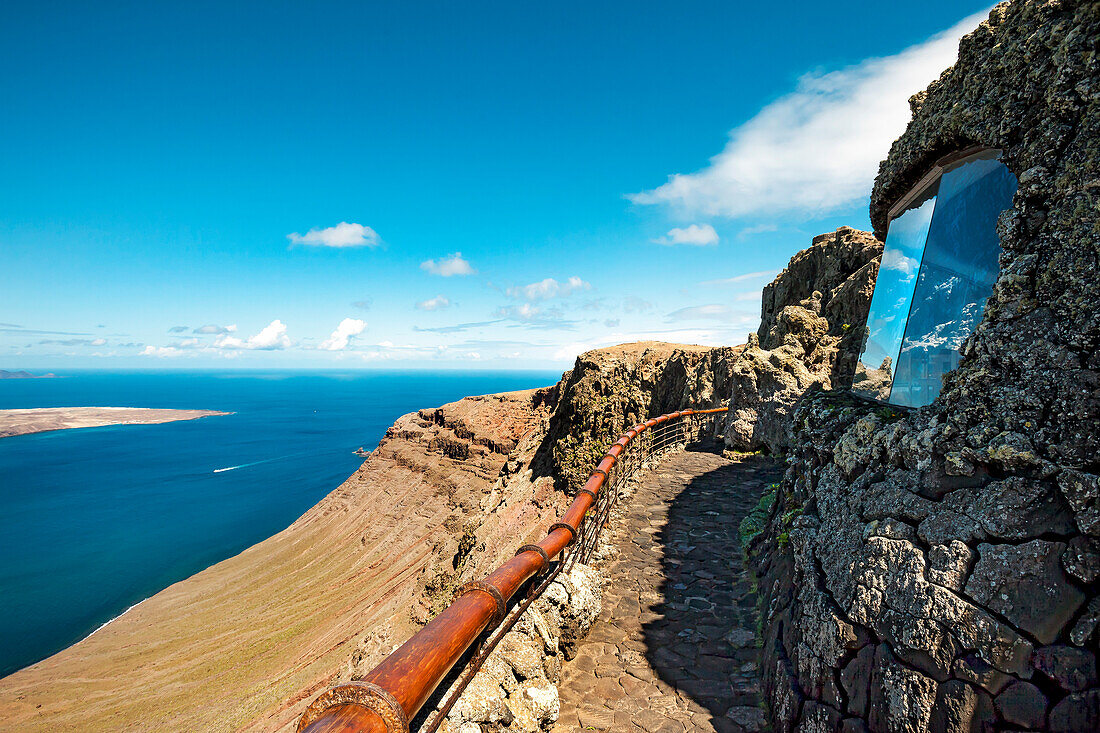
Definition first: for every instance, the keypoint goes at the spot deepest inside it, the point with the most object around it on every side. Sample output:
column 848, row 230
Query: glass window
column 893, row 296
column 938, row 267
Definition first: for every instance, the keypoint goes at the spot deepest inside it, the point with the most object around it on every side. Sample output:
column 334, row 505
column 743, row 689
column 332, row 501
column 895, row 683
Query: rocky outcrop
column 937, row 569
column 472, row 453
column 611, row 389
column 806, row 337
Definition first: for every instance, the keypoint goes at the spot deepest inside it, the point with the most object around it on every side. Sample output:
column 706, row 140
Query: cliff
column 245, row 643
column 449, row 493
column 806, row 337
column 608, row 390
column 919, row 570
column 937, row 569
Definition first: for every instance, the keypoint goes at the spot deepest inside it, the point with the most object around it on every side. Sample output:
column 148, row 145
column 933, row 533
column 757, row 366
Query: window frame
column 926, row 187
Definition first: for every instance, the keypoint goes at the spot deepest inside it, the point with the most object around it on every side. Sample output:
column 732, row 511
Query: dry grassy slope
column 244, row 644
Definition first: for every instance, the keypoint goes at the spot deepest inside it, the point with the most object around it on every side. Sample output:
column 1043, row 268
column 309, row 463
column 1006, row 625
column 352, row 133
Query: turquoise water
column 93, row 521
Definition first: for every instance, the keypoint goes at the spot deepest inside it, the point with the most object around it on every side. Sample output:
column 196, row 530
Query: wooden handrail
column 393, row 692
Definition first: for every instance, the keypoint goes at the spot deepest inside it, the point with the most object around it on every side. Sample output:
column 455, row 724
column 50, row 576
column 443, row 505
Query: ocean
column 93, row 521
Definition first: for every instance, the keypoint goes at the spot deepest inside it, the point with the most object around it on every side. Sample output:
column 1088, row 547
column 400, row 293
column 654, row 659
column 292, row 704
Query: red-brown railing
column 394, row 691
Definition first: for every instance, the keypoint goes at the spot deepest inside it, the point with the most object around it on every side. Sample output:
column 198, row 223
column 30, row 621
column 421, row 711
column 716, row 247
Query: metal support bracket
column 568, row 527
column 365, row 694
column 490, row 590
column 541, row 552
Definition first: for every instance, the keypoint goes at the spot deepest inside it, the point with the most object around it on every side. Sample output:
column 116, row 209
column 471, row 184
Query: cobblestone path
column 674, row 648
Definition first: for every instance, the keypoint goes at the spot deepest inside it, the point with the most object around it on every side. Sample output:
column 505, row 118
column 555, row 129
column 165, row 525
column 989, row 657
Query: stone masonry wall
column 937, row 569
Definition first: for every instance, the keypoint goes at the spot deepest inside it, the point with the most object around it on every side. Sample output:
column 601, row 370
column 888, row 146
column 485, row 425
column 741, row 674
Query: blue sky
column 437, row 185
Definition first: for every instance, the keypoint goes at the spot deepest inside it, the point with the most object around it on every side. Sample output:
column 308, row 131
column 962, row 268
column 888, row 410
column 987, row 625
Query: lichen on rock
column 958, row 541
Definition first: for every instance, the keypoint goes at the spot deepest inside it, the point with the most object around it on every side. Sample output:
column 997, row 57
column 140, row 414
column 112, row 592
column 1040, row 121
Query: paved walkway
column 674, row 649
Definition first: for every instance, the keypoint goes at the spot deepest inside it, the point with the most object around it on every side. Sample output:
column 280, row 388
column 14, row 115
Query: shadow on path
column 674, row 647
column 703, row 642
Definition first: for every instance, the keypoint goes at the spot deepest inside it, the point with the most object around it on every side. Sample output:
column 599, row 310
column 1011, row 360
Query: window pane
column 897, row 277
column 957, row 274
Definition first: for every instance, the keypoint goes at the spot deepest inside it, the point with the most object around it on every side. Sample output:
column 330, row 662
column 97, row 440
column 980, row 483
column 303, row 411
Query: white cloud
column 389, row 351
column 339, row 338
column 525, row 312
column 448, row 266
column 458, row 327
column 73, row 342
column 816, row 149
column 695, row 234
column 270, row 338
column 406, row 353
column 341, row 235
column 439, row 302
column 634, row 304
column 162, row 351
column 211, row 328
column 742, row 278
column 892, row 259
column 712, row 311
column 757, row 229
column 549, row 288
column 535, row 316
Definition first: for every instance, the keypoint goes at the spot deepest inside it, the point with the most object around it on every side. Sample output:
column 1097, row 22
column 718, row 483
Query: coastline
column 353, row 563
column 48, row 419
column 111, row 620
column 446, row 496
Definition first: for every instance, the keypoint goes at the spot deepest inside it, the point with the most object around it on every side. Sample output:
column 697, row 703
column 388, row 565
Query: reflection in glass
column 956, row 277
column 897, row 278
column 918, row 322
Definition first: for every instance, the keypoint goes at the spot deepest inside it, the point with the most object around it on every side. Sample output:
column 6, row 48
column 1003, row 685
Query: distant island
column 43, row 419
column 22, row 374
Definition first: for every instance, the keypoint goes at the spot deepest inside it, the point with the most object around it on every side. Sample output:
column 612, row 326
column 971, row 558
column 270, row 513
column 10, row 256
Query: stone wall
column 937, row 569
column 517, row 688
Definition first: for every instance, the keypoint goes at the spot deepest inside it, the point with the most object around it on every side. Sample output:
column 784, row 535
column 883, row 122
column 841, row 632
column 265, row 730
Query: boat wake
column 246, row 465
column 266, row 460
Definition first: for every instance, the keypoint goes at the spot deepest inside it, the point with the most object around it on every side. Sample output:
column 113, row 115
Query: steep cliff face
column 806, row 336
column 937, row 569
